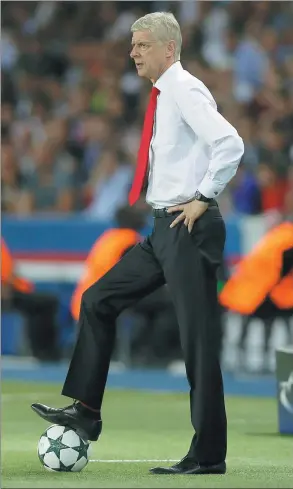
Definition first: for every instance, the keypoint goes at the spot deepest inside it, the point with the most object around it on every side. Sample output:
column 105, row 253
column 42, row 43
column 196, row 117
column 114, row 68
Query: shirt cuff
column 210, row 189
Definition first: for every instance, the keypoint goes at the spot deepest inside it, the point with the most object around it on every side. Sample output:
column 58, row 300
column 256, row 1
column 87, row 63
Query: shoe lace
column 75, row 402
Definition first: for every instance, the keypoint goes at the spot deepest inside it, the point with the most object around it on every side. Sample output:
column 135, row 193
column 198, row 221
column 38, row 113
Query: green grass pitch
column 139, row 427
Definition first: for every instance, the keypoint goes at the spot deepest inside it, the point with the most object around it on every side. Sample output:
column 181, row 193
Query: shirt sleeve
column 226, row 146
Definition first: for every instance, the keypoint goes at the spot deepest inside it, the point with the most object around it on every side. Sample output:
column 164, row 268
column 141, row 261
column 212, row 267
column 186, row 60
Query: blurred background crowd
column 72, row 113
column 72, row 104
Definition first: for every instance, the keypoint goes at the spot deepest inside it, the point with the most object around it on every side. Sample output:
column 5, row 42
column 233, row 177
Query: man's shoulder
column 186, row 82
column 184, row 77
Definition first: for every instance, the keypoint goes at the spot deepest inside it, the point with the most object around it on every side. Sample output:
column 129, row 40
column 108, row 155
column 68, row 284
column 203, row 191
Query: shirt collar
column 165, row 78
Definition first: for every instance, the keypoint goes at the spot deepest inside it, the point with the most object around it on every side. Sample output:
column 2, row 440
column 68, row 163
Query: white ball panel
column 68, row 456
column 51, row 460
column 80, row 464
column 44, row 444
column 55, row 431
column 50, row 470
column 71, row 439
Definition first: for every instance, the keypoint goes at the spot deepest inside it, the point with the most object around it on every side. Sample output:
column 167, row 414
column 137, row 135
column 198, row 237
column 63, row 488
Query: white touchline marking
column 233, row 460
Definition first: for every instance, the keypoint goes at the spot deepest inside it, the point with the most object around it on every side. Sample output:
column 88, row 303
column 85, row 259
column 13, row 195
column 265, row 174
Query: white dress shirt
column 193, row 147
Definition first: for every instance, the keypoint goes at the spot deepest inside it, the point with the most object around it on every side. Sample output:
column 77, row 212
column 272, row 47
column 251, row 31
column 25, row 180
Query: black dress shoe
column 73, row 416
column 187, row 466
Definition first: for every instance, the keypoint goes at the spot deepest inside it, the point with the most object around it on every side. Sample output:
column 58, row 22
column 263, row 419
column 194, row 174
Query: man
column 38, row 308
column 191, row 153
column 262, row 287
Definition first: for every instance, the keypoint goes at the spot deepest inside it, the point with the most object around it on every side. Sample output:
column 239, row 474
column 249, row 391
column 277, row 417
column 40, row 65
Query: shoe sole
column 210, row 472
column 218, row 469
column 166, row 471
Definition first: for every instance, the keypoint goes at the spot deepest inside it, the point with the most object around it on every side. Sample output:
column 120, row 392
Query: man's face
column 151, row 57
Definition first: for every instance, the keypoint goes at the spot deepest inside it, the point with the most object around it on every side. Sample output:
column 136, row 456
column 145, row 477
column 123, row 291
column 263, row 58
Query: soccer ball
column 61, row 449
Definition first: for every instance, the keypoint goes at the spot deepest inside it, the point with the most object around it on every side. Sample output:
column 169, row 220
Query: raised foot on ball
column 72, row 416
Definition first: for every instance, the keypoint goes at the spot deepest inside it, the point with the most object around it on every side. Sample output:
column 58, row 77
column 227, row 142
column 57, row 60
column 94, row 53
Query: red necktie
column 143, row 153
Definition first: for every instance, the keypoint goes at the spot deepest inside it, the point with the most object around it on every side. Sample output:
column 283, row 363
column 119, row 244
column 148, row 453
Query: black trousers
column 156, row 339
column 188, row 264
column 39, row 310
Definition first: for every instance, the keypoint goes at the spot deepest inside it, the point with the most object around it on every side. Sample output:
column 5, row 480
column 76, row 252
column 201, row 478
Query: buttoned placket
column 150, row 170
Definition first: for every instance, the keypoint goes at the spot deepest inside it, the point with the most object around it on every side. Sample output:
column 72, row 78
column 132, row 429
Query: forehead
column 142, row 36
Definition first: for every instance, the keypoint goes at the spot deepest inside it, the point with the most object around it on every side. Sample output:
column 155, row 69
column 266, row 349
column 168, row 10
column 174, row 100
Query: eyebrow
column 142, row 41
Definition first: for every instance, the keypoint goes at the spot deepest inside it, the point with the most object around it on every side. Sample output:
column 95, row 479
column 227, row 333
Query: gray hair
column 164, row 26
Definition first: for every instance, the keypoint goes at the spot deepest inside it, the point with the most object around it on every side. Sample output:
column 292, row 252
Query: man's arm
column 226, row 145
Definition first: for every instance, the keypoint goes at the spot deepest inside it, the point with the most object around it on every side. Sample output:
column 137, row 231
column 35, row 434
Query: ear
column 170, row 49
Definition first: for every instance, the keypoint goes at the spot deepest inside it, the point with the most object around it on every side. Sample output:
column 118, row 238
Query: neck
column 162, row 70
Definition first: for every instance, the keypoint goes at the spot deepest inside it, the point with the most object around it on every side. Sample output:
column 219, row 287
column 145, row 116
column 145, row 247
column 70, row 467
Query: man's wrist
column 199, row 196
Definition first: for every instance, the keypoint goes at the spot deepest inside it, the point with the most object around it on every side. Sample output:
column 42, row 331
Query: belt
column 163, row 212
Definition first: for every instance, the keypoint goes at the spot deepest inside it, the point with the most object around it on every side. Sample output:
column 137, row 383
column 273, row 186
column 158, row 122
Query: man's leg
column 138, row 273
column 135, row 275
column 160, row 329
column 40, row 312
column 267, row 325
column 242, row 343
column 190, row 263
column 287, row 323
column 199, row 326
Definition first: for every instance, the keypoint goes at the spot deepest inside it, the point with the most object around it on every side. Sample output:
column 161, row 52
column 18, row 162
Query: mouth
column 138, row 65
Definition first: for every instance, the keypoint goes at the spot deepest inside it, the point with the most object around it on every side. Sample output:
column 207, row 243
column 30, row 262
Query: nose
column 133, row 52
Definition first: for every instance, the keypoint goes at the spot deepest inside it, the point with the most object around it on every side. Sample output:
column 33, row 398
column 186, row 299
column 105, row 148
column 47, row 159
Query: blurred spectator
column 245, row 192
column 273, row 187
column 262, row 287
column 11, row 179
column 50, row 186
column 65, row 68
column 251, row 64
column 38, row 308
column 289, row 195
column 107, row 250
column 109, row 186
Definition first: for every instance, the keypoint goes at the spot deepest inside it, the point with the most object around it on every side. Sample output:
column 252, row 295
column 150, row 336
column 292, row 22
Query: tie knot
column 155, row 92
